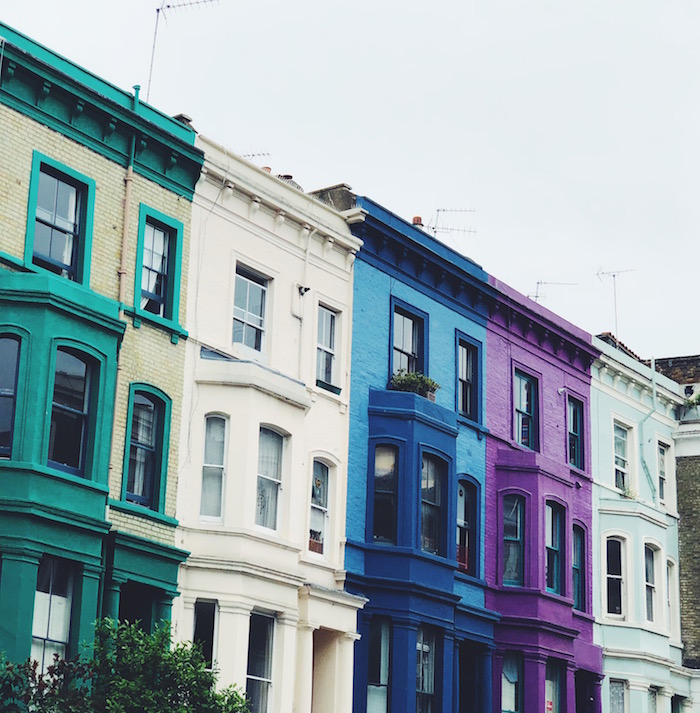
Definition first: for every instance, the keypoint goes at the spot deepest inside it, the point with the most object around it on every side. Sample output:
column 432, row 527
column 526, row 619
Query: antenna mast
column 613, row 274
column 163, row 7
column 536, row 297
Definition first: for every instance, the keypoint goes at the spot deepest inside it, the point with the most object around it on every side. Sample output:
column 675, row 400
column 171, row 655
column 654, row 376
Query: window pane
column 70, row 383
column 214, row 440
column 9, row 358
column 614, row 548
column 66, row 438
column 319, row 489
column 617, row 697
column 204, row 618
column 385, row 463
column 267, row 503
column 270, row 454
column 212, row 481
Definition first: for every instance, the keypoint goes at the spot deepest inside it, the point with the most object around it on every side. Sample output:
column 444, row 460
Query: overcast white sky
column 569, row 128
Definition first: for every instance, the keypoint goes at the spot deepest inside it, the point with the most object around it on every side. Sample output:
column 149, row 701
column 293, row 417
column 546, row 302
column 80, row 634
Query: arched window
column 210, row 505
column 269, row 477
column 615, row 579
column 147, row 437
column 466, row 527
column 9, row 358
column 70, row 410
column 318, row 520
column 513, row 540
column 554, row 543
column 432, row 478
column 386, row 458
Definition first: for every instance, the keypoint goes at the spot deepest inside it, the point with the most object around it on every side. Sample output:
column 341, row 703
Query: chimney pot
column 267, row 169
column 418, row 221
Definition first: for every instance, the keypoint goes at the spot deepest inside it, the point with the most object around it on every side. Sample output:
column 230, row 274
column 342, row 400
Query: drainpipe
column 301, row 290
column 643, row 460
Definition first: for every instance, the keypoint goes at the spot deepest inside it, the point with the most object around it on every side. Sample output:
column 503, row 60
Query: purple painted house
column 539, row 510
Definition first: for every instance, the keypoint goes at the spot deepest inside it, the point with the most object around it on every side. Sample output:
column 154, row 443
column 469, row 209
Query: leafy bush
column 128, row 671
column 413, row 381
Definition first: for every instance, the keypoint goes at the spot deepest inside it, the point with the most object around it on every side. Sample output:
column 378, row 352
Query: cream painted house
column 262, row 495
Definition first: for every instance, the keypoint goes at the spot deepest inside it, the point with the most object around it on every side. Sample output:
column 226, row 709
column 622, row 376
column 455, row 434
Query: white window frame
column 621, row 463
column 220, row 466
column 662, row 459
column 215, row 627
column 243, row 315
column 268, row 678
column 653, row 587
column 327, row 345
column 270, row 479
column 323, row 512
column 623, row 577
column 625, row 697
column 672, row 599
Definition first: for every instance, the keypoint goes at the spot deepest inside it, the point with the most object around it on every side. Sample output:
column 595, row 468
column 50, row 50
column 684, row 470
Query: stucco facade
column 264, row 442
column 86, row 528
column 636, row 561
column 539, row 529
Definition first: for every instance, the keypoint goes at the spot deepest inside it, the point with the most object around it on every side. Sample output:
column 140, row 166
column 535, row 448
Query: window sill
column 131, row 509
column 328, row 387
column 466, row 421
column 139, row 317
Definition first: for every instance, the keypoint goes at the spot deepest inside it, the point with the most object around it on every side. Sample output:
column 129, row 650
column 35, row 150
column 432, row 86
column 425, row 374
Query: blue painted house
column 416, row 470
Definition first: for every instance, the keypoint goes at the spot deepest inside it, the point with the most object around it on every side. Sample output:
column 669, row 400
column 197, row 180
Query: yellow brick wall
column 147, row 354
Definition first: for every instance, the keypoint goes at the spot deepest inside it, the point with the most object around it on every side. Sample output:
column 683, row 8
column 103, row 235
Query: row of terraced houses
column 219, row 407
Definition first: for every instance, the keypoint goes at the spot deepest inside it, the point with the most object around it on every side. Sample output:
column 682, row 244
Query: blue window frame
column 386, row 462
column 9, row 359
column 467, row 502
column 146, row 452
column 468, row 379
column 409, row 348
column 526, row 410
column 379, row 665
column 158, row 268
column 432, row 484
column 513, row 540
column 554, row 546
column 59, row 220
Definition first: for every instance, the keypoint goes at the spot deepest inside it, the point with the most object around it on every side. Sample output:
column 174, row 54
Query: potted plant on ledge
column 414, row 381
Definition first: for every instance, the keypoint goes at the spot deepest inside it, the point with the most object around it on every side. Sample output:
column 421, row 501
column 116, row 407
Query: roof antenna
column 163, row 7
column 434, row 225
column 537, row 296
column 613, row 274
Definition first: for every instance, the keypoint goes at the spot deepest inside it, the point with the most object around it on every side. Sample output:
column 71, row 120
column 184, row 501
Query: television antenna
column 613, row 273
column 253, row 156
column 176, row 5
column 436, row 228
column 538, row 295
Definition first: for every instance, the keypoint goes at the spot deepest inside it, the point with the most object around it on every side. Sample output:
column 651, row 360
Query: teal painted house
column 95, row 202
column 635, row 520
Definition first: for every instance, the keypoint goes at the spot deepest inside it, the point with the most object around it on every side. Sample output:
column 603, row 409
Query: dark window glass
column 154, row 270
column 513, row 539
column 467, row 383
column 614, row 576
column 526, row 410
column 579, row 568
column 432, row 476
column 554, row 544
column 259, row 677
column 141, row 483
column 9, row 364
column 466, row 527
column 69, row 414
column 385, row 481
column 57, row 223
column 575, row 416
column 408, row 342
column 204, row 617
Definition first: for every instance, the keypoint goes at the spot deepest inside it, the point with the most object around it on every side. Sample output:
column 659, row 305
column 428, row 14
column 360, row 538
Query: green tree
column 128, row 671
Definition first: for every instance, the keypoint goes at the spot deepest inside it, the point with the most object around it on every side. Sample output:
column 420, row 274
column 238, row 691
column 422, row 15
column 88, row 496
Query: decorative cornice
column 79, row 105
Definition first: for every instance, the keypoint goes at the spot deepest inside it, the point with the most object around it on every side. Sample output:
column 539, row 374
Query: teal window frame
column 555, row 517
column 160, row 478
column 87, row 212
column 14, row 395
column 174, row 273
column 578, row 567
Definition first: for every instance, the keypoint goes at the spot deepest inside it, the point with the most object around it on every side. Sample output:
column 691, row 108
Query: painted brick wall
column 147, row 353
